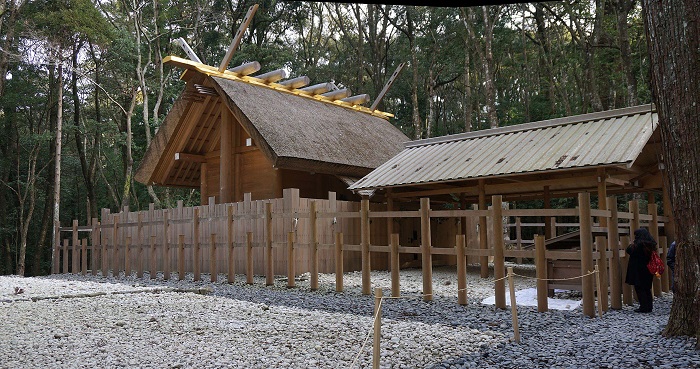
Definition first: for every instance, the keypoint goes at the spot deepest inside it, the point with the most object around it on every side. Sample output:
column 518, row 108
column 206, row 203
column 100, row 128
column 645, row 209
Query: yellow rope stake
column 362, row 348
column 377, row 327
column 513, row 307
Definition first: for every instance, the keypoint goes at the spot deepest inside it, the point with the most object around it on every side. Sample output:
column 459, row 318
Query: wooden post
column 95, row 241
column 115, row 247
column 426, row 248
column 653, row 210
column 214, row 274
column 548, row 229
column 65, row 255
column 461, row 269
column 166, row 247
column 499, row 250
column 269, row 271
column 139, row 258
column 394, row 246
column 226, row 161
column 364, row 245
column 614, row 247
column 313, row 234
column 602, row 197
column 513, row 306
column 601, row 246
column 127, row 257
column 181, row 257
column 290, row 260
column 249, row 257
column 152, row 259
column 75, row 261
column 665, row 282
column 634, row 222
column 377, row 327
column 597, row 281
column 196, row 249
column 586, row 234
column 541, row 270
column 83, row 256
column 338, row 261
column 519, row 238
column 203, row 185
column 230, row 238
column 483, row 232
column 626, row 288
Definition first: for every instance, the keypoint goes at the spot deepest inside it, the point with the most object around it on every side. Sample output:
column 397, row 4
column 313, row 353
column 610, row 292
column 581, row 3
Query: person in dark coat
column 637, row 273
column 671, row 261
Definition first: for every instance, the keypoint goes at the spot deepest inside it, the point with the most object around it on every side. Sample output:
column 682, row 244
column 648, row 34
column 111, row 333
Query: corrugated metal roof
column 597, row 139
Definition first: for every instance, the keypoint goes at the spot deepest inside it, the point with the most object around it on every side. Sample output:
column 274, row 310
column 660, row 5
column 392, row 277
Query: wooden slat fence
column 332, row 240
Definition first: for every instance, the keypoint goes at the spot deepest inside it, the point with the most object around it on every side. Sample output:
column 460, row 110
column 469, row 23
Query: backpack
column 655, row 265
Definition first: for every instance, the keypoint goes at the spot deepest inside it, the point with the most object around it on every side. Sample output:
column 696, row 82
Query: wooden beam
column 237, row 39
column 194, row 158
column 387, row 86
column 226, row 160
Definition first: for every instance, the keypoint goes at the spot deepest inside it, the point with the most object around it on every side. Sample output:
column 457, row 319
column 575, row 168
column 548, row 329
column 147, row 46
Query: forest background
column 93, row 71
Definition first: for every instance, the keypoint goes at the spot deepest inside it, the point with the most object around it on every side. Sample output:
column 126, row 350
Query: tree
column 673, row 32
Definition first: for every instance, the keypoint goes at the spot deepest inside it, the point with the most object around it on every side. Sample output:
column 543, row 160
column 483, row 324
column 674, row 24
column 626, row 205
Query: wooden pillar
column 634, row 222
column 586, row 236
column 213, row 272
column 290, row 260
column 95, row 241
column 139, row 244
column 75, row 262
column 483, row 233
column 518, row 238
column 461, row 269
column 166, row 247
column 196, row 248
column 338, row 261
column 426, row 249
column 203, row 186
column 389, row 221
column 626, row 288
column 602, row 246
column 652, row 209
column 249, row 257
column 230, row 242
column 602, row 196
column 269, row 271
column 614, row 247
column 65, row 255
column 313, row 243
column 364, row 245
column 226, row 161
column 83, row 256
column 499, row 271
column 541, row 272
column 549, row 231
column 394, row 261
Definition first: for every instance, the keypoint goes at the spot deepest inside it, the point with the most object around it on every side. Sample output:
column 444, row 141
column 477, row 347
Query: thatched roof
column 292, row 131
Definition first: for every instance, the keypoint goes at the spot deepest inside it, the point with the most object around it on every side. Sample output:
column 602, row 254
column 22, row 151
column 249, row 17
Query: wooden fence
column 324, row 236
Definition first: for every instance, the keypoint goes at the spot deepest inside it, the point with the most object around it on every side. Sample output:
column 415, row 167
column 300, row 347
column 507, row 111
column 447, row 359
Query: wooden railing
column 292, row 235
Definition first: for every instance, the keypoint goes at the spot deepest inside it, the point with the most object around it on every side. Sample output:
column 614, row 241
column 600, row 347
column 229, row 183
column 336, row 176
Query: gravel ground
column 72, row 321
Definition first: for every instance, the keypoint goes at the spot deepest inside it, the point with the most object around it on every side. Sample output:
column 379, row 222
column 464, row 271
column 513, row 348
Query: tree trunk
column 673, row 34
column 417, row 131
column 489, row 23
column 57, row 157
column 623, row 9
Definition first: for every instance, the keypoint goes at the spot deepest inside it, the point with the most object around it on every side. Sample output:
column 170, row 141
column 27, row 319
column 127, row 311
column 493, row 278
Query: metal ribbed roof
column 597, row 139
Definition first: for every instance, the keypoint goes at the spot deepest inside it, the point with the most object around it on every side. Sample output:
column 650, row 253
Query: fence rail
column 293, row 235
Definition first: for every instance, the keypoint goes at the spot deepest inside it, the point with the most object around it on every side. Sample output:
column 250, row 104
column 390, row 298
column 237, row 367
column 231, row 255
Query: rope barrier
column 381, row 300
column 362, row 348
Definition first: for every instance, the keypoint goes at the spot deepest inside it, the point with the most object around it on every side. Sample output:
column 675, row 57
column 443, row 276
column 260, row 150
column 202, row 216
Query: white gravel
column 72, row 321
